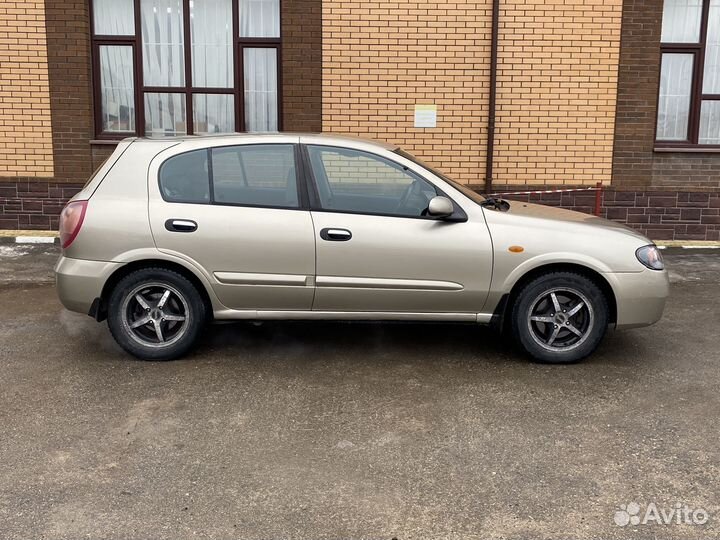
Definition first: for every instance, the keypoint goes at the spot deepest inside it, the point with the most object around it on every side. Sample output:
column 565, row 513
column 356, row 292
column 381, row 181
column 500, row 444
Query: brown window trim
column 696, row 96
column 135, row 41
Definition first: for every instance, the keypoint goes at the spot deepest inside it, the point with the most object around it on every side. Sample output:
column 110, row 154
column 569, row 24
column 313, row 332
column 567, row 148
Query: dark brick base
column 661, row 215
column 33, row 205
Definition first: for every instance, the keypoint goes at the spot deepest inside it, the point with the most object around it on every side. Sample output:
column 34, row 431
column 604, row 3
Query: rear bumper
column 640, row 297
column 80, row 282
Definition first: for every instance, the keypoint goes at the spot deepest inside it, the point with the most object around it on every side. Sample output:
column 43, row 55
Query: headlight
column 650, row 256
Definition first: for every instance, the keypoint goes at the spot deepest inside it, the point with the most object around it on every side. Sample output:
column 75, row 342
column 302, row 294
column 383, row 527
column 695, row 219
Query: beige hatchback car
column 169, row 234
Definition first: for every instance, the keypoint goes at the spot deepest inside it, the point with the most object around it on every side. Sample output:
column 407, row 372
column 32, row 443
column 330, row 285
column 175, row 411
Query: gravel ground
column 377, row 431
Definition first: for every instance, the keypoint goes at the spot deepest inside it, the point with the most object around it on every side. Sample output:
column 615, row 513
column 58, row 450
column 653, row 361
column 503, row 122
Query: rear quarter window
column 186, row 178
column 255, row 175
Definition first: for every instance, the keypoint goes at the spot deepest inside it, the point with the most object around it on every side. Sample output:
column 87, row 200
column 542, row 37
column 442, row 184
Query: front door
column 377, row 251
column 235, row 211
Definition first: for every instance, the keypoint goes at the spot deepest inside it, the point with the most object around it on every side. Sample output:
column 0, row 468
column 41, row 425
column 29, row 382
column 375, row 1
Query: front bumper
column 80, row 282
column 640, row 296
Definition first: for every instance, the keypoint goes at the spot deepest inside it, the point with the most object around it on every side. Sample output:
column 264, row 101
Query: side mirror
column 440, row 207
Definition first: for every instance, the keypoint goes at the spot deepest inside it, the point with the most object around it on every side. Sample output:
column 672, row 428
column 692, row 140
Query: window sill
column 687, row 149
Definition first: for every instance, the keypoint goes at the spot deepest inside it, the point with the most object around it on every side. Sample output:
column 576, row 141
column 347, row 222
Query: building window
column 174, row 67
column 689, row 97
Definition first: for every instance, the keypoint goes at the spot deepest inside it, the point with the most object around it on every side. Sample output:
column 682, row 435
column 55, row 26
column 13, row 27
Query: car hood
column 560, row 215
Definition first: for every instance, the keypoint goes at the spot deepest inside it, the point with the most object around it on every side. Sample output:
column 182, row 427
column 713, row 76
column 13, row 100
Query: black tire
column 550, row 335
column 176, row 335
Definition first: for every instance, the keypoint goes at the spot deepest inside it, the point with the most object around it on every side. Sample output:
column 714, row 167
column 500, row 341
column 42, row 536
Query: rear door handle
column 181, row 225
column 335, row 235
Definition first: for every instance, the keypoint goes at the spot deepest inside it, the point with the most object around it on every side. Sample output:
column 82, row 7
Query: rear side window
column 255, row 175
column 186, row 178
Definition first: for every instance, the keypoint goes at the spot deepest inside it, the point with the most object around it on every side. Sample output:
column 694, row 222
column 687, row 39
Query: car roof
column 328, row 139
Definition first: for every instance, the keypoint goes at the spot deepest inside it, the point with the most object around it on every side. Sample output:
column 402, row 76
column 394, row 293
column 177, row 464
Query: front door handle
column 335, row 235
column 181, row 225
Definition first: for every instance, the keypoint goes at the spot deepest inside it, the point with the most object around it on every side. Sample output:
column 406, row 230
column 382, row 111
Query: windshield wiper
column 496, row 203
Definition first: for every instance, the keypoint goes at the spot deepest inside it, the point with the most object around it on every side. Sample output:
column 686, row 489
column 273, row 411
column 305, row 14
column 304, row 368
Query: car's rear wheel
column 155, row 314
column 560, row 317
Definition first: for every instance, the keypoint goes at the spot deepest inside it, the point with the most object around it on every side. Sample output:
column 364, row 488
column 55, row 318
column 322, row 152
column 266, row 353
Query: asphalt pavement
column 356, row 431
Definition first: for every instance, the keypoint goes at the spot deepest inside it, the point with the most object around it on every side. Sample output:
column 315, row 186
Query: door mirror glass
column 440, row 207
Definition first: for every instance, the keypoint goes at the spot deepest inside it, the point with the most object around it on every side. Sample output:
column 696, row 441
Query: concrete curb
column 29, row 240
column 689, row 244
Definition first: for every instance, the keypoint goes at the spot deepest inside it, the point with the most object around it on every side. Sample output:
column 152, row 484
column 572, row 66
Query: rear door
column 237, row 213
column 378, row 251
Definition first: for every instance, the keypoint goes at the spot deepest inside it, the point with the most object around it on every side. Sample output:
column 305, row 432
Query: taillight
column 71, row 219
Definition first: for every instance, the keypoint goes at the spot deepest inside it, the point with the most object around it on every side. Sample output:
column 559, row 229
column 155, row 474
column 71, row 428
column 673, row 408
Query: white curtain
column 213, row 113
column 681, row 21
column 710, row 122
column 117, row 88
column 212, row 42
column 162, row 42
column 114, row 17
column 261, row 103
column 165, row 115
column 711, row 75
column 674, row 103
column 710, row 110
column 259, row 18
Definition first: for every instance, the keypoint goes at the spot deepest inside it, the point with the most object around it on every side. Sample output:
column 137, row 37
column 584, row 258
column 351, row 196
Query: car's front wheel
column 560, row 317
column 155, row 314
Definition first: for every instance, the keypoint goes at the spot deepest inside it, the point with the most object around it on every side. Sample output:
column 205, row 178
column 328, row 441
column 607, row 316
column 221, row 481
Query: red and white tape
column 544, row 191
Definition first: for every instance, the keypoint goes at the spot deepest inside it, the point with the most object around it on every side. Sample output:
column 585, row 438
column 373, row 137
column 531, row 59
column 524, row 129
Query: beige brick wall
column 381, row 58
column 25, row 131
column 557, row 88
column 556, row 83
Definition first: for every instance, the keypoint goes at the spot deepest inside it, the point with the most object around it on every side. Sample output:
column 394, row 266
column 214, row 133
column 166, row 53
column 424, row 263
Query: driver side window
column 355, row 181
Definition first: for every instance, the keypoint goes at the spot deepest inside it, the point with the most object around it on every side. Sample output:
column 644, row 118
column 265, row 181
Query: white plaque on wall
column 425, row 116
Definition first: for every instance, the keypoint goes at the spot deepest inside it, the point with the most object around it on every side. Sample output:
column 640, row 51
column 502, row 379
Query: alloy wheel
column 560, row 319
column 155, row 314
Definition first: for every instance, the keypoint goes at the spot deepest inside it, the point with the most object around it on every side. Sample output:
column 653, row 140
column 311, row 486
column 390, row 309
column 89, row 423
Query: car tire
column 560, row 317
column 156, row 314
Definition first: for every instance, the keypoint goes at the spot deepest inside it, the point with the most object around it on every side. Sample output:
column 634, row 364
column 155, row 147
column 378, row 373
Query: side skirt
column 230, row 314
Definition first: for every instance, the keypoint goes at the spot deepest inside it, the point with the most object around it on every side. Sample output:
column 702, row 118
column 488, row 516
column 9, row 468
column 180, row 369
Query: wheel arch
column 99, row 309
column 500, row 315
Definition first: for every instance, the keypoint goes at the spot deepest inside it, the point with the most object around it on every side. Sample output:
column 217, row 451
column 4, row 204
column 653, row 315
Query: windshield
column 469, row 193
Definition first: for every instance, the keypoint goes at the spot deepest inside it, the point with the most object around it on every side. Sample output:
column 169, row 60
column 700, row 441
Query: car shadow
column 359, row 341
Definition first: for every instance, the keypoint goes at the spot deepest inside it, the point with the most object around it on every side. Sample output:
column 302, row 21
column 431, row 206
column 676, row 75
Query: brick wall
column 68, row 35
column 52, row 88
column 33, row 205
column 660, row 215
column 381, row 58
column 635, row 163
column 25, row 127
column 302, row 65
column 638, row 81
column 557, row 81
